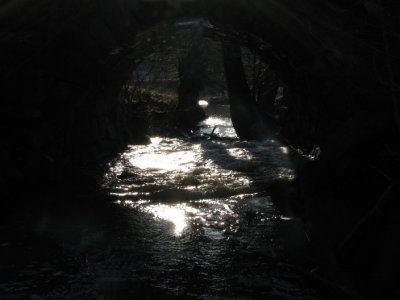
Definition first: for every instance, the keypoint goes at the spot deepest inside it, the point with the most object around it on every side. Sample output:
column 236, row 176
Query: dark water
column 200, row 217
column 191, row 219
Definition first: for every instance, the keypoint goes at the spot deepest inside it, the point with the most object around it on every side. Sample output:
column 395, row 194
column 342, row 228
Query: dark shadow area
column 80, row 81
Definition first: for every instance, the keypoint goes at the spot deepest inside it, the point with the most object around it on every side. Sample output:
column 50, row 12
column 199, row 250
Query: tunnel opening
column 84, row 80
column 173, row 75
column 185, row 62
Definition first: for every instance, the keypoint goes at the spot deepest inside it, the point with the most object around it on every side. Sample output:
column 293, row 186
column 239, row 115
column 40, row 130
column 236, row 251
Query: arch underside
column 63, row 66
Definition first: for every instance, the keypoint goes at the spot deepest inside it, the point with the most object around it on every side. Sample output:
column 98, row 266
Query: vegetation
column 146, row 100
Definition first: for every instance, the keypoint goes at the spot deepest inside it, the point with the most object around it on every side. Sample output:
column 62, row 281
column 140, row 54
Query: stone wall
column 62, row 68
column 336, row 57
column 63, row 65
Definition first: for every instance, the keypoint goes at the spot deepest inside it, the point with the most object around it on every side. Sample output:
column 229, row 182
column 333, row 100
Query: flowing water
column 192, row 219
column 196, row 219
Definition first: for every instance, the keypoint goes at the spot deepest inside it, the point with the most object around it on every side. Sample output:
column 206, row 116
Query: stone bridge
column 63, row 65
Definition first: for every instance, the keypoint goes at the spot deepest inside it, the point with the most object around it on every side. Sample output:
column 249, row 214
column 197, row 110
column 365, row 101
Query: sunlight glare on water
column 169, row 213
column 162, row 160
column 285, row 150
column 175, row 161
column 197, row 205
column 177, row 214
column 223, row 126
column 217, row 121
column 177, row 169
column 155, row 140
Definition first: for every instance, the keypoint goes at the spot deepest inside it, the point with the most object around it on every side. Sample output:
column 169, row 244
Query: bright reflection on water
column 190, row 172
column 183, row 170
column 163, row 160
column 285, row 150
column 171, row 214
column 206, row 190
column 177, row 214
column 220, row 120
column 156, row 140
column 180, row 160
column 216, row 121
column 223, row 126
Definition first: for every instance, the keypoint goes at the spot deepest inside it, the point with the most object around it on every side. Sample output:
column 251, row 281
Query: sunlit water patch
column 178, row 215
column 219, row 122
column 198, row 203
column 174, row 161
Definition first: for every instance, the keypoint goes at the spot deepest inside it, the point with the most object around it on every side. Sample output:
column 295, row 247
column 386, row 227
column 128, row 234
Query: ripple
column 197, row 202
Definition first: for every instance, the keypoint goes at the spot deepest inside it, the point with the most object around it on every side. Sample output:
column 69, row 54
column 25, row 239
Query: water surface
column 200, row 220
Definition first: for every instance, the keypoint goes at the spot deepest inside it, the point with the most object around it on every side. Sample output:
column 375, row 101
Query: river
column 197, row 220
column 191, row 218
